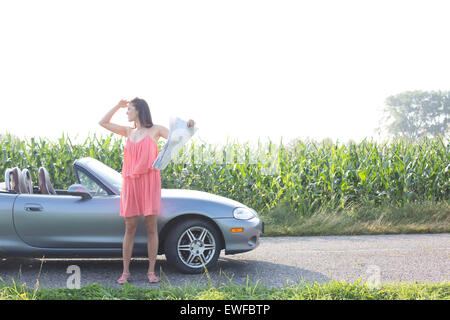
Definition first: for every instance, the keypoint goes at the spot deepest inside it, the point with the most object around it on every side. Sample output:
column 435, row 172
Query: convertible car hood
column 200, row 195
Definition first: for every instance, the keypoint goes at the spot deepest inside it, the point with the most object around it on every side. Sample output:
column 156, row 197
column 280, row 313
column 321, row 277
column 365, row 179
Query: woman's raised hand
column 190, row 123
column 123, row 103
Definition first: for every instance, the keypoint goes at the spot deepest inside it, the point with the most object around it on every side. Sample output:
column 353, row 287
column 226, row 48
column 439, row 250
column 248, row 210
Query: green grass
column 418, row 217
column 333, row 290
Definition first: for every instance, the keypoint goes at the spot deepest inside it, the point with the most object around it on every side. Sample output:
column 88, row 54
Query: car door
column 67, row 221
column 64, row 221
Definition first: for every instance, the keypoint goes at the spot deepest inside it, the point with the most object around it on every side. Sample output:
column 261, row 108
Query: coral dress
column 141, row 187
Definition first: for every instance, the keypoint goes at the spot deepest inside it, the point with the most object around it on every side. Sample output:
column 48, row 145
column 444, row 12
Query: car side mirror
column 79, row 190
column 84, row 195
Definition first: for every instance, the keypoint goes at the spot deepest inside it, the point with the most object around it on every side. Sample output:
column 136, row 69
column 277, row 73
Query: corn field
column 307, row 175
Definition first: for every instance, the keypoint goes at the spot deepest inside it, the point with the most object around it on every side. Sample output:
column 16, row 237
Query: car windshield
column 107, row 174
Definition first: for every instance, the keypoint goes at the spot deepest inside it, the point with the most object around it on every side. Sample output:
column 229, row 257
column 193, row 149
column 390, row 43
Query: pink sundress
column 141, row 187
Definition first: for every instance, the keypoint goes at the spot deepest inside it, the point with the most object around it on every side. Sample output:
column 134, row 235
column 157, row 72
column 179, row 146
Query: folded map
column 179, row 134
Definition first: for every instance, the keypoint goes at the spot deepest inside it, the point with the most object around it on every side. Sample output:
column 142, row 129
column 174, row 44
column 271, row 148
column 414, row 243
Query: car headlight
column 243, row 213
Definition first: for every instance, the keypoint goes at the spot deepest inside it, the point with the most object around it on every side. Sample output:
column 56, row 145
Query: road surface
column 276, row 262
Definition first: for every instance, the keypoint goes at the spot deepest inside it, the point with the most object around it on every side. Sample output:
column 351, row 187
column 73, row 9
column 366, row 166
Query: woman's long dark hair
column 145, row 117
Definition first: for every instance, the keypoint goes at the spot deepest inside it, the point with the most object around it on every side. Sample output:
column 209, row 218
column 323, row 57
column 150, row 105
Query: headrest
column 8, row 185
column 44, row 182
column 21, row 180
column 27, row 180
column 18, row 184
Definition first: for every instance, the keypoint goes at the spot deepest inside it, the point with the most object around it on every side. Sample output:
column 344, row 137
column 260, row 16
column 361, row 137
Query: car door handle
column 33, row 207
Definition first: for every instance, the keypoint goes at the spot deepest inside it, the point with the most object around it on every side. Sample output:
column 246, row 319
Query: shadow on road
column 54, row 273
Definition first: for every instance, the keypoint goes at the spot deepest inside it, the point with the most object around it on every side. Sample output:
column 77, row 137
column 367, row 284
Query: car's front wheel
column 192, row 244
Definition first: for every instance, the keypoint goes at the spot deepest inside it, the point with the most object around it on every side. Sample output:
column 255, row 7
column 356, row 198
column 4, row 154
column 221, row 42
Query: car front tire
column 192, row 245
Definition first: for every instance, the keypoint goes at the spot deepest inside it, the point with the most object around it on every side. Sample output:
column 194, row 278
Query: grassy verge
column 333, row 290
column 419, row 217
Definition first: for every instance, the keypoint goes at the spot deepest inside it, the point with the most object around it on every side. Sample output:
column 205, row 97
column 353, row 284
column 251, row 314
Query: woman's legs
column 152, row 242
column 128, row 242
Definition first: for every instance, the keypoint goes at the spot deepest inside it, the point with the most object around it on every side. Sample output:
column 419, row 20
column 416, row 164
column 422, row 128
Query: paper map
column 179, row 134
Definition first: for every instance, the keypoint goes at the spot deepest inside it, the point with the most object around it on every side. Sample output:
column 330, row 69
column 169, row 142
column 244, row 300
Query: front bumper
column 238, row 242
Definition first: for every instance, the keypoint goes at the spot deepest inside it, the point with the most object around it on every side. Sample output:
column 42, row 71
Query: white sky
column 246, row 69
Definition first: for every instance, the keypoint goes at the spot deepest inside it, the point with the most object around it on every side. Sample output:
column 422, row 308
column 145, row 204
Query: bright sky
column 245, row 69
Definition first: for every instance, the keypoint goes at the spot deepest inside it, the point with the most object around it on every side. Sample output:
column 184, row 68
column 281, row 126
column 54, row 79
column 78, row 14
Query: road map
column 179, row 134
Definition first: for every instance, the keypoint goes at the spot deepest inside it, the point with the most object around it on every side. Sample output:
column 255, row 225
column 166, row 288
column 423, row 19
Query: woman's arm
column 105, row 122
column 164, row 132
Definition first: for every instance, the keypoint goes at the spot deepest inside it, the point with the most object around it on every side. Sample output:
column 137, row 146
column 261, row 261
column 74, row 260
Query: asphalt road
column 276, row 262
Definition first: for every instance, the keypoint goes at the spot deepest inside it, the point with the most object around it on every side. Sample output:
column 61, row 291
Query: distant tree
column 416, row 114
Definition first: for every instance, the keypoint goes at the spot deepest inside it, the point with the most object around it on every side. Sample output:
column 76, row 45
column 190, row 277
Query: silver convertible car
column 84, row 220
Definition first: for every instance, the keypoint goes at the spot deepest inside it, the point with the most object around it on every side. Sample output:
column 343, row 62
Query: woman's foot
column 152, row 278
column 124, row 278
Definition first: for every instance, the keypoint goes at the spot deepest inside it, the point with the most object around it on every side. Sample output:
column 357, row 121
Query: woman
column 141, row 187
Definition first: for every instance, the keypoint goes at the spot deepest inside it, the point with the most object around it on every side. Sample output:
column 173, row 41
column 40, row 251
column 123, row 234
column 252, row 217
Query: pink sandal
column 152, row 278
column 124, row 278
